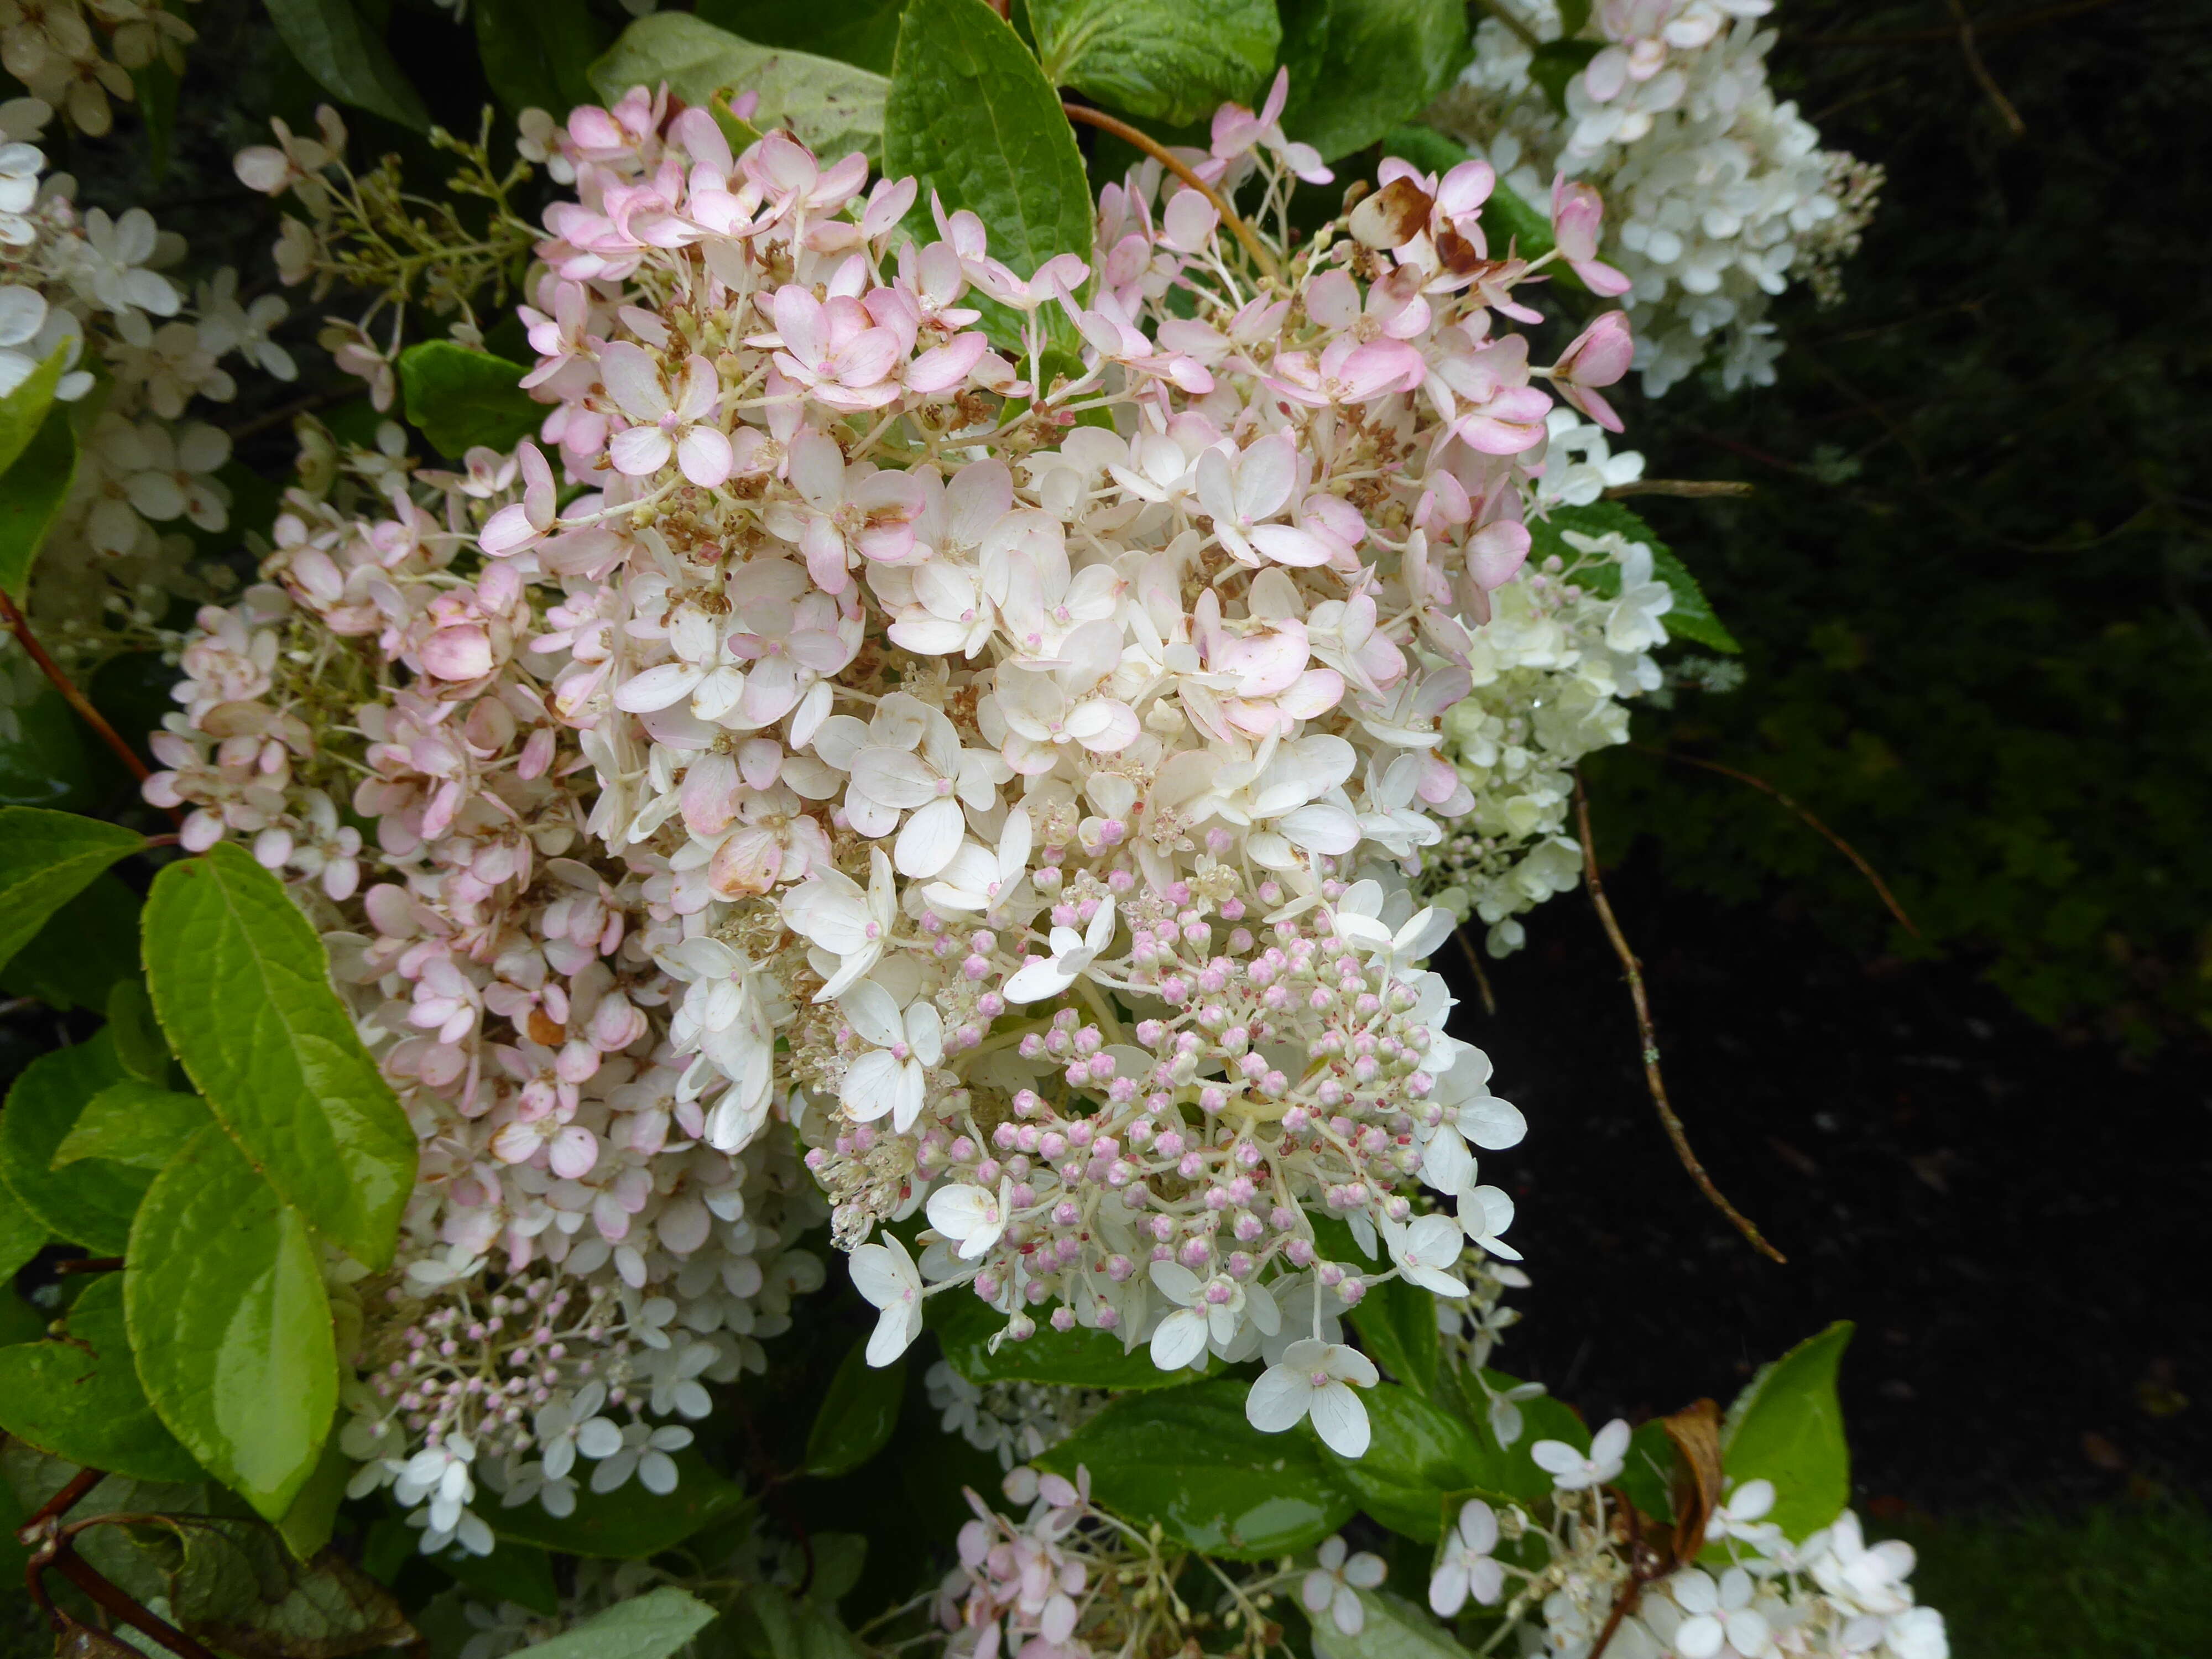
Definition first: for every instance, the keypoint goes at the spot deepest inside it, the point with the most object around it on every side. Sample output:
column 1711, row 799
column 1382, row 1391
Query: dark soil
column 2016, row 1225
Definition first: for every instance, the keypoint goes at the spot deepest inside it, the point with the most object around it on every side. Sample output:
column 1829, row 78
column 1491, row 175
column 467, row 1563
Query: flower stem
column 1129, row 135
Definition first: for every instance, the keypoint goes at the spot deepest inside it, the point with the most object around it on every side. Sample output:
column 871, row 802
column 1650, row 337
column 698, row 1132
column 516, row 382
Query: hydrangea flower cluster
column 1034, row 737
column 1724, row 195
column 1014, row 1421
column 54, row 48
column 89, row 286
column 575, row 1260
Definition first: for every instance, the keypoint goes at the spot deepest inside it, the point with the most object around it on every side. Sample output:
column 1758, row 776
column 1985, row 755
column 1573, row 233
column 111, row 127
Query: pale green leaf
column 833, row 108
column 76, row 1397
column 90, row 1202
column 1787, row 1427
column 460, row 399
column 1359, row 68
column 1187, row 1459
column 47, row 859
column 242, row 986
column 227, row 1316
column 32, row 495
column 135, row 1123
column 1162, row 60
column 649, row 1627
column 974, row 118
column 334, row 43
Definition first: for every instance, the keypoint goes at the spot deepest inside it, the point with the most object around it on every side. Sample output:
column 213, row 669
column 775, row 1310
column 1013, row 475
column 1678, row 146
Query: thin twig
column 1504, row 15
column 1474, row 967
column 1983, row 78
column 1129, row 135
column 1879, row 886
column 1678, row 487
column 19, row 626
column 1657, row 1083
column 90, row 1264
column 118, row 1604
column 62, row 1502
column 50, row 1545
column 278, row 416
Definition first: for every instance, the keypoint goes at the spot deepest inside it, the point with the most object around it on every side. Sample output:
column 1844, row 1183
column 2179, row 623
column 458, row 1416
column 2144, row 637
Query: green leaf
column 135, row 1123
column 1397, row 1327
column 1161, row 60
column 44, row 759
column 23, row 410
column 538, row 53
column 242, row 986
column 649, row 1627
column 234, row 1584
column 1647, row 1471
column 1393, row 1629
column 224, row 1293
column 82, row 953
column 348, row 59
column 47, row 859
column 974, row 118
column 1787, row 1427
column 1359, row 68
column 1691, row 616
column 517, row 1572
column 77, row 1396
column 629, row 1522
column 31, row 497
column 139, row 1044
column 459, row 398
column 306, row 1527
column 155, row 84
column 857, row 1414
column 1081, row 1359
column 22, row 1235
column 1509, row 1470
column 833, row 108
column 90, row 1202
column 768, row 1624
column 861, row 32
column 1187, row 1459
column 1417, row 1456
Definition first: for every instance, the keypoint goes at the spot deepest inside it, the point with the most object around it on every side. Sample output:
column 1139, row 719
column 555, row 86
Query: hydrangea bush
column 893, row 795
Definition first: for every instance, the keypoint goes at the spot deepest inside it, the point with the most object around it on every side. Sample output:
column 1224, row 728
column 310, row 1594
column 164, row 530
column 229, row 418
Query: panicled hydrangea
column 1034, row 738
column 55, row 48
column 576, row 1263
column 91, row 287
column 1015, row 1421
column 1723, row 196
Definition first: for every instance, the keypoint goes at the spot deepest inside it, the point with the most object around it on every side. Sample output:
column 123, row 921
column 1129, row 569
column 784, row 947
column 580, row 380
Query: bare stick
column 90, row 1264
column 1879, row 886
column 1474, row 967
column 1678, row 487
column 1983, row 78
column 1158, row 152
column 19, row 626
column 1657, row 1083
column 118, row 1604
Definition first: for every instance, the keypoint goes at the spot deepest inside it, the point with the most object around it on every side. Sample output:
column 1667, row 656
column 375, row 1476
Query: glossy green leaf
column 538, row 53
column 1509, row 1470
column 1162, row 60
column 460, row 399
column 1417, row 1456
column 629, row 1523
column 76, row 1397
column 22, row 1235
column 649, row 1626
column 348, row 58
column 234, row 1585
column 857, row 1414
column 834, row 107
column 90, row 1202
column 242, row 986
column 135, row 1123
column 47, row 859
column 139, row 1044
column 1187, row 1459
column 1359, row 68
column 514, row 1571
column 306, row 1527
column 1691, row 616
column 1082, row 1357
column 1397, row 1327
column 83, row 951
column 860, row 31
column 1393, row 1628
column 24, row 410
column 228, row 1318
column 32, row 495
column 1787, row 1427
column 974, row 118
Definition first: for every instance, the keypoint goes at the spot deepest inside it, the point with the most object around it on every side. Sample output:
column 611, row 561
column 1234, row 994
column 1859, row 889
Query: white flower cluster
column 1723, row 196
column 53, row 47
column 1015, row 1421
column 90, row 286
column 1567, row 645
